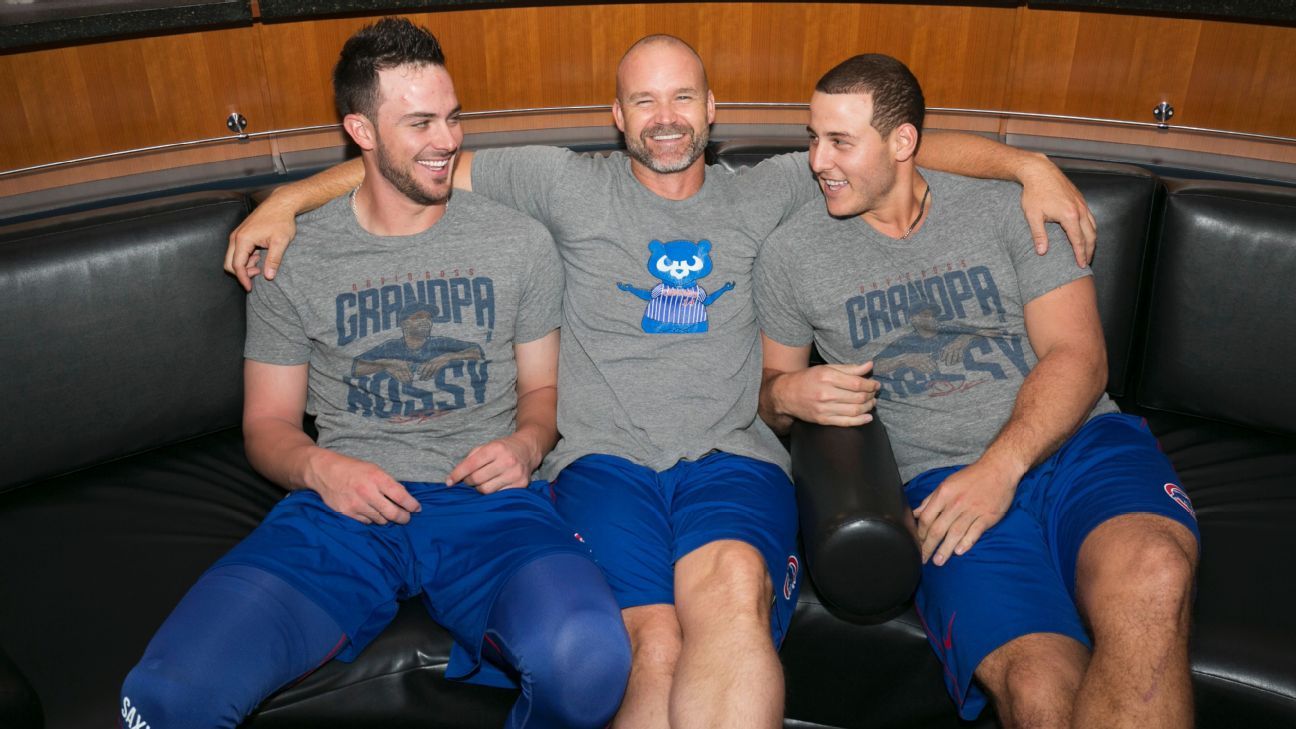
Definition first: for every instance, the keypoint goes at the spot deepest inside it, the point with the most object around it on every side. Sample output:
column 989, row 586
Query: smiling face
column 663, row 106
column 417, row 134
column 855, row 165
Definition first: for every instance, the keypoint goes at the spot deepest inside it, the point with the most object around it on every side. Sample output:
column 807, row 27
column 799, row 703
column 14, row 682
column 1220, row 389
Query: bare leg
column 729, row 673
column 655, row 643
column 1033, row 680
column 1134, row 582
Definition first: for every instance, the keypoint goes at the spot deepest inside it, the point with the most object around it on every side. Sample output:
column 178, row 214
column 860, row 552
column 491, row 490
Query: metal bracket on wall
column 1163, row 113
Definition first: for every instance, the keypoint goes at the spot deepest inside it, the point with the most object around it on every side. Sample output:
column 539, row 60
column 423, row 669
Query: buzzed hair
column 388, row 43
column 666, row 40
column 897, row 96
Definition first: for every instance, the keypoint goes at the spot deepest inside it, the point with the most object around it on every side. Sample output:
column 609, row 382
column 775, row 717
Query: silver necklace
column 921, row 206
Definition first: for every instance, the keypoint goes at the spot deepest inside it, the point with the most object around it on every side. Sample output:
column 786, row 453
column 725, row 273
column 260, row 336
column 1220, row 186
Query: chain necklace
column 921, row 206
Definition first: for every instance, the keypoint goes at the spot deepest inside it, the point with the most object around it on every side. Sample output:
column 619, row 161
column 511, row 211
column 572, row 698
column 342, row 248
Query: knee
column 1035, row 691
column 156, row 695
column 585, row 676
column 1151, row 573
column 727, row 579
column 655, row 638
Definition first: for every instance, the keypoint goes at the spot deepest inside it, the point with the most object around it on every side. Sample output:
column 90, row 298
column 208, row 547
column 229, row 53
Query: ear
column 656, row 246
column 904, row 142
column 710, row 107
column 361, row 131
column 617, row 115
column 704, row 247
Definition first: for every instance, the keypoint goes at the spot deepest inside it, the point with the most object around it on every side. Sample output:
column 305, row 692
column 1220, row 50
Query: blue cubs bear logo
column 678, row 304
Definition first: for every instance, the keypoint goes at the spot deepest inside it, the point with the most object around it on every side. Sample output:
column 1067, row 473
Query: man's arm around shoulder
column 508, row 462
column 1054, row 400
column 272, row 224
column 1047, row 194
column 834, row 394
column 274, row 398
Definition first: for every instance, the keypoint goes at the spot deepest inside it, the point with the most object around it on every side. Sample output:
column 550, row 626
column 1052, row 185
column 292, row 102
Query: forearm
column 283, row 453
column 769, row 409
column 306, row 195
column 972, row 155
column 1053, row 402
column 537, row 422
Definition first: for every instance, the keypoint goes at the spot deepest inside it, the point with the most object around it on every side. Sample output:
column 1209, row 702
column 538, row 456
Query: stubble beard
column 637, row 148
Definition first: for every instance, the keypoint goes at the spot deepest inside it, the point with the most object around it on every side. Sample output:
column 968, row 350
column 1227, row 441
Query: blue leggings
column 241, row 633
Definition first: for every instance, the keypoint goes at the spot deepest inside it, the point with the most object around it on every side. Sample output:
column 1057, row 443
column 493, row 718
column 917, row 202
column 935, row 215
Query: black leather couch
column 122, row 474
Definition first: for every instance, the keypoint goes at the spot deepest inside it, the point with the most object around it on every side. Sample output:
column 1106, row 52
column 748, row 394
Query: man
column 663, row 466
column 421, row 480
column 1058, row 562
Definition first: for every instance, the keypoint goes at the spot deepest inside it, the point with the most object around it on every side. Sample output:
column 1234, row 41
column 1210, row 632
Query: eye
column 453, row 121
column 420, row 124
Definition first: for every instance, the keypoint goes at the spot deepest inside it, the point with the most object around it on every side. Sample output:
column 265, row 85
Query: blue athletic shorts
column 1019, row 578
column 639, row 522
column 458, row 551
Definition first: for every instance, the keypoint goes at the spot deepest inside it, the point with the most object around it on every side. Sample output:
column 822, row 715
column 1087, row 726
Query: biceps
column 537, row 363
column 1066, row 317
column 273, row 391
column 783, row 358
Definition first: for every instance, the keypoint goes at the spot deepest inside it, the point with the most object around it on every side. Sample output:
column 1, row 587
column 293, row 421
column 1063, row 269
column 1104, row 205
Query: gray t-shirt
column 660, row 355
column 941, row 314
column 409, row 338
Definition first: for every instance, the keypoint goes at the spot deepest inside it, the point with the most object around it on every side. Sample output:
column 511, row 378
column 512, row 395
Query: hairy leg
column 1033, row 680
column 1134, row 581
column 729, row 673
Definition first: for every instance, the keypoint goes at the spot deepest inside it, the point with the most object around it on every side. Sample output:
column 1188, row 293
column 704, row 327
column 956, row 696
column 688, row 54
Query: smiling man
column 432, row 418
column 1059, row 552
column 663, row 466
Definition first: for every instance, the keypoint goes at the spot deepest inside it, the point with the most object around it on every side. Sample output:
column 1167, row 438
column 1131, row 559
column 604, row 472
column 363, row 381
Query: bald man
column 664, row 469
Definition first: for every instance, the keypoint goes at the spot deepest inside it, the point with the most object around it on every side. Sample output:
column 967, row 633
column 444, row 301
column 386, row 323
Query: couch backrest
column 1122, row 198
column 1222, row 322
column 119, row 332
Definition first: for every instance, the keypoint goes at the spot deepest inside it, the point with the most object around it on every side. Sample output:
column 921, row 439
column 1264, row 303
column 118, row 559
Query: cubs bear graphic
column 677, row 305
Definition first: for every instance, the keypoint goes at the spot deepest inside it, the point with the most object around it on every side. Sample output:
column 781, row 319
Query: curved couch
column 122, row 474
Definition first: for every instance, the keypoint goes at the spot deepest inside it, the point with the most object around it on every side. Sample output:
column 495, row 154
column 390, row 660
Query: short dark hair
column 897, row 96
column 388, row 43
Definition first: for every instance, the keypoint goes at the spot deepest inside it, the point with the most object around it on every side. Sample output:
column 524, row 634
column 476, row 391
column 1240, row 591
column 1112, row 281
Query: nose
column 820, row 157
column 446, row 138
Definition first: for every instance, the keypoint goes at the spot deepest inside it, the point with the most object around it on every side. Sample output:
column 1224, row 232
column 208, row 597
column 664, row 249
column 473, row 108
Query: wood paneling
column 102, row 97
column 1218, row 75
column 563, row 56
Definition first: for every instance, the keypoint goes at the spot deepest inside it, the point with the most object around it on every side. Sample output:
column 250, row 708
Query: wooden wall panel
column 1244, row 78
column 103, row 97
column 563, row 56
column 1233, row 76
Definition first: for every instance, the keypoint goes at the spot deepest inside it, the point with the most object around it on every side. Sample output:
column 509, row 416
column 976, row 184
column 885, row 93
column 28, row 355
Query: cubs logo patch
column 1180, row 498
column 790, row 576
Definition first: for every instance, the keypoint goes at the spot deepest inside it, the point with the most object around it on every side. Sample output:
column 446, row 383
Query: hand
column 624, row 286
column 505, row 463
column 832, row 394
column 1047, row 195
column 269, row 226
column 363, row 491
column 954, row 516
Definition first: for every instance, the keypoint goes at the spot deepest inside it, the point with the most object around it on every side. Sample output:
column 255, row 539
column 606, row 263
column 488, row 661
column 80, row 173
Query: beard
column 403, row 180
column 638, row 149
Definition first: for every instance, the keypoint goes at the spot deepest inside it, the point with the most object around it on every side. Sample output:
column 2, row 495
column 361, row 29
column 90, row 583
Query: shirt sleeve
column 1037, row 275
column 775, row 189
column 523, row 178
column 540, row 306
column 777, row 309
column 275, row 334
